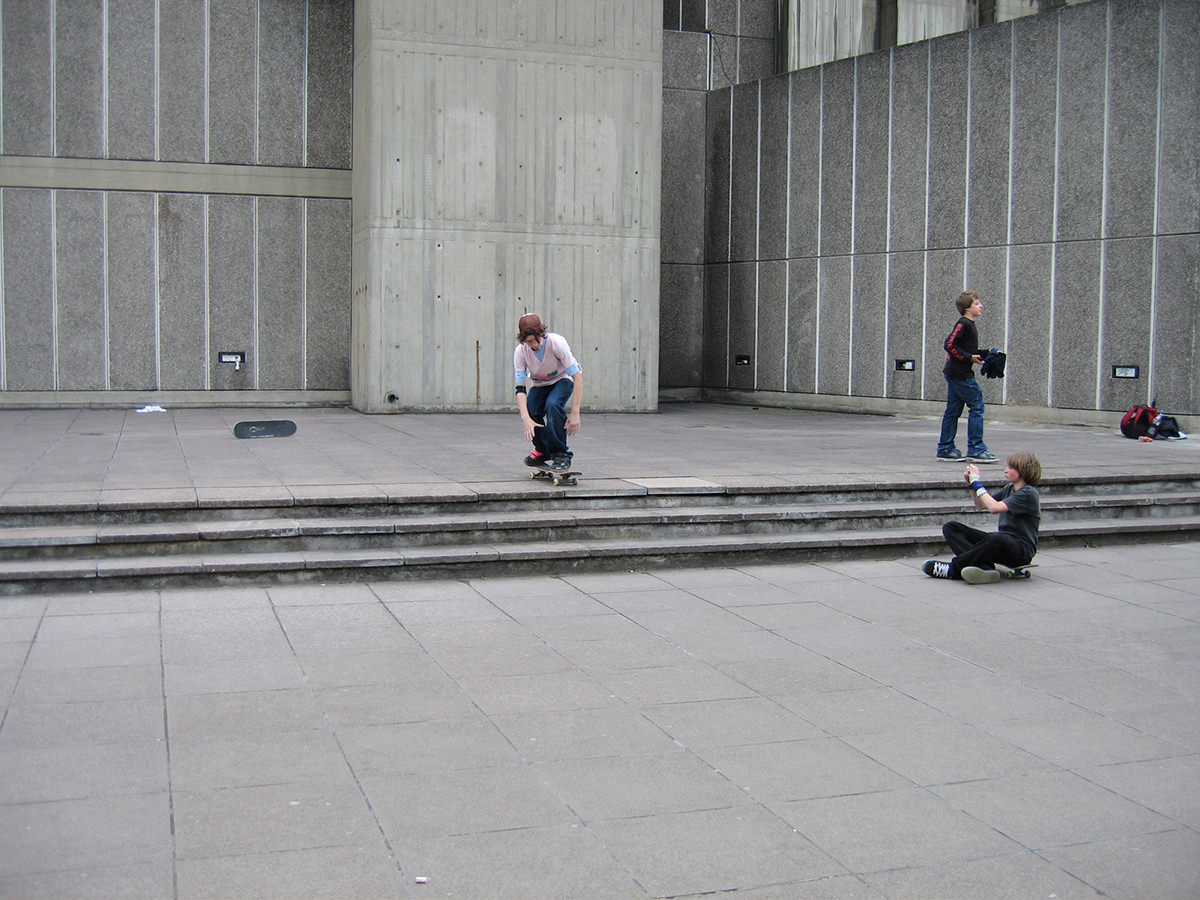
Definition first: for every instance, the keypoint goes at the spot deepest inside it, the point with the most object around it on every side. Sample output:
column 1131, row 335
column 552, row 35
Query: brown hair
column 964, row 301
column 1028, row 466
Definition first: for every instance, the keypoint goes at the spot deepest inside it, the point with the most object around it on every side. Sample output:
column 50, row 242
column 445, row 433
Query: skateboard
column 556, row 475
column 1018, row 572
column 266, row 429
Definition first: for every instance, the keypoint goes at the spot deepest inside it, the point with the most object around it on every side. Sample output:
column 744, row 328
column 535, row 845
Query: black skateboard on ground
column 558, row 476
column 266, row 429
column 1017, row 572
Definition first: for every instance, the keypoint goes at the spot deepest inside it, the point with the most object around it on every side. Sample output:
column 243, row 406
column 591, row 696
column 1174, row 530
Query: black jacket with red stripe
column 961, row 344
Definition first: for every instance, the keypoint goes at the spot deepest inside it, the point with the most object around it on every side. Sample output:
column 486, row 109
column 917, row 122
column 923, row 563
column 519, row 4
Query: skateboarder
column 1019, row 508
column 544, row 360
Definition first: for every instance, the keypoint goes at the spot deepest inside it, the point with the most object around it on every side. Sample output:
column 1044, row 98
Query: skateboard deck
column 1018, row 572
column 265, row 429
column 556, row 475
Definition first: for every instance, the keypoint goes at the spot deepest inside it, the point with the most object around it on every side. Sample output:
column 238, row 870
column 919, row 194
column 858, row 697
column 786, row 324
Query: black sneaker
column 935, row 568
column 987, row 456
column 537, row 460
column 559, row 463
column 949, row 455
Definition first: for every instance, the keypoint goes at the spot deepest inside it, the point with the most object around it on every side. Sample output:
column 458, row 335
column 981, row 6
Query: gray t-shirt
column 1024, row 514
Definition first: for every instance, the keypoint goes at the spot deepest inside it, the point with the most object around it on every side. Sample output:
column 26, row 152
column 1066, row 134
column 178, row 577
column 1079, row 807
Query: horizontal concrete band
column 172, row 177
column 169, row 399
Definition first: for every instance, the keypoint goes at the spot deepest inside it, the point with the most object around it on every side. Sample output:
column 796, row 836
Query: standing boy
column 545, row 359
column 962, row 353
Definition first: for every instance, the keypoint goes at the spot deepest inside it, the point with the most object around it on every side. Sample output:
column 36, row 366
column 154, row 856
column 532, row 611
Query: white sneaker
column 976, row 575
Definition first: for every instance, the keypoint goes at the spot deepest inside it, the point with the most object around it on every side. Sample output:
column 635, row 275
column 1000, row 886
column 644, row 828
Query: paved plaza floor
column 820, row 730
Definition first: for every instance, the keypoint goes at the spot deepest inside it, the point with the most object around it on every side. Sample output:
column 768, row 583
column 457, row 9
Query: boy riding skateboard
column 548, row 377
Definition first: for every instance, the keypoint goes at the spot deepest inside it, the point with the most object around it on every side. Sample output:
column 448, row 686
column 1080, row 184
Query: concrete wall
column 1049, row 162
column 174, row 182
column 507, row 160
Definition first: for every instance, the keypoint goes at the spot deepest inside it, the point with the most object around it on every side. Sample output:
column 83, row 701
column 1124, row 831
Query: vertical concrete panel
column 281, row 82
column 944, row 282
column 716, row 326
column 1127, row 320
column 182, row 304
column 330, row 83
column 949, row 75
column 28, row 122
column 773, row 187
column 868, row 326
column 28, row 290
column 743, row 203
column 771, row 354
column 991, row 97
column 1030, row 307
column 327, row 296
column 181, row 80
column 910, row 143
column 281, row 298
column 78, row 79
column 130, row 288
column 871, row 153
column 833, row 350
column 131, row 94
column 1176, row 324
column 804, row 193
column 1075, row 349
column 682, row 325
column 683, row 217
column 837, row 157
column 1132, row 118
column 79, row 278
column 803, row 303
column 719, row 126
column 1179, row 163
column 905, row 326
column 1080, row 135
column 1035, row 114
column 231, row 291
column 987, row 274
column 685, row 61
column 232, row 73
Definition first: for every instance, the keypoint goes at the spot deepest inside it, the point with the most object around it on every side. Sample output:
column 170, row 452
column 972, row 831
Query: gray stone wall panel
column 717, row 130
column 79, row 290
column 1034, row 113
column 803, row 303
column 1075, row 349
column 181, row 78
column 804, row 191
column 330, row 84
column 280, row 310
column 327, row 296
column 1176, row 324
column 873, row 81
column 685, row 61
column 681, row 313
column 131, row 100
column 743, row 195
column 1030, row 307
column 773, row 183
column 28, row 291
column 130, row 289
column 716, row 326
column 27, row 78
column 906, row 326
column 1080, row 127
column 1179, row 161
column 833, row 350
column 949, row 75
column 771, row 353
column 281, row 83
column 991, row 95
column 837, row 157
column 1133, row 119
column 683, row 177
column 868, row 328
column 1127, row 320
column 910, row 141
column 182, row 301
column 743, row 324
column 231, row 293
column 232, row 67
column 79, row 80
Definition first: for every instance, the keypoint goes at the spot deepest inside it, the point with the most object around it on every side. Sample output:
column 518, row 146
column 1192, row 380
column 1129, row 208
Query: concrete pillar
column 507, row 159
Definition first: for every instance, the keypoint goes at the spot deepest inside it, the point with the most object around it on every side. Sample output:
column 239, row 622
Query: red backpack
column 1137, row 421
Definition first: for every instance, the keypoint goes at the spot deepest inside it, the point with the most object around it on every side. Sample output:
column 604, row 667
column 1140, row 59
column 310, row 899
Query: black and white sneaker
column 935, row 568
column 537, row 460
column 559, row 463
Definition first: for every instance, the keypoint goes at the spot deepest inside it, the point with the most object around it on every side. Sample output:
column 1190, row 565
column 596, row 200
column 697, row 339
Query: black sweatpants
column 984, row 549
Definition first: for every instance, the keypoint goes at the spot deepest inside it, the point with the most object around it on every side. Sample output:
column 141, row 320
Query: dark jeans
column 548, row 406
column 959, row 394
column 984, row 549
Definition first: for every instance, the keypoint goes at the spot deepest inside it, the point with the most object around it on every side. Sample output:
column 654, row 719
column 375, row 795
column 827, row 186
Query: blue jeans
column 959, row 394
column 548, row 406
